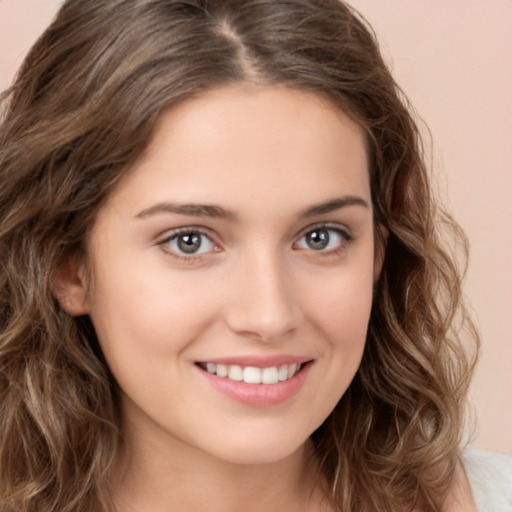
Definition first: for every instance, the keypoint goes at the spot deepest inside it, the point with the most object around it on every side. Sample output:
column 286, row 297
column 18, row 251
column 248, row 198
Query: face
column 233, row 273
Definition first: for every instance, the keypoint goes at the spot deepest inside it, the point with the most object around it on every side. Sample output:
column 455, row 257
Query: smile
column 257, row 381
column 252, row 374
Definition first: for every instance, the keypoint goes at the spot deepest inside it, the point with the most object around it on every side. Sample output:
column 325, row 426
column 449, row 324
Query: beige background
column 453, row 58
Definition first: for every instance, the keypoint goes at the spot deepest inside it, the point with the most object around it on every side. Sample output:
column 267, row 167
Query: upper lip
column 258, row 361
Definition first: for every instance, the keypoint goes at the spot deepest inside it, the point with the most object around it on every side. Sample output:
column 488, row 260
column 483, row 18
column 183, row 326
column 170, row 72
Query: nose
column 262, row 303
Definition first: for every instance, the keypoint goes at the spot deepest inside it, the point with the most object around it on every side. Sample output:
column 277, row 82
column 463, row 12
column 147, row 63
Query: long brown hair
column 80, row 113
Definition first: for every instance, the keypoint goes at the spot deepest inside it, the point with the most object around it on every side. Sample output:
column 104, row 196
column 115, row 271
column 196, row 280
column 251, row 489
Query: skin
column 256, row 287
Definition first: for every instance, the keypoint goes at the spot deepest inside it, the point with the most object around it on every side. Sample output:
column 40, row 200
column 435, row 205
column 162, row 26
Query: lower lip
column 258, row 395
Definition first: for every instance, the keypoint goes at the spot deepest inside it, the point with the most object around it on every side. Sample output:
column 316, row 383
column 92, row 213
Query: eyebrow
column 190, row 209
column 217, row 212
column 333, row 205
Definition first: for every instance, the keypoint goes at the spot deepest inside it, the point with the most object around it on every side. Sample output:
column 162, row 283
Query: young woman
column 221, row 284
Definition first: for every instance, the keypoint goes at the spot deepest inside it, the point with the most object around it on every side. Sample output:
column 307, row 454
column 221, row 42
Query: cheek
column 340, row 306
column 149, row 316
column 349, row 314
column 145, row 327
column 161, row 315
column 339, row 312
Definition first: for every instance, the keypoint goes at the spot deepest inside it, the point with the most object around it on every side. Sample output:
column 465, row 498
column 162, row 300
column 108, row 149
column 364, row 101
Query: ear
column 381, row 242
column 69, row 286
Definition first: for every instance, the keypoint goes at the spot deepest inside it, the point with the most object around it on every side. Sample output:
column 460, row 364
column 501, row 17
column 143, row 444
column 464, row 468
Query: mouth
column 268, row 375
column 257, row 381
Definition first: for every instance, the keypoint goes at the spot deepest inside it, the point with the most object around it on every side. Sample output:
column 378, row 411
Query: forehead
column 243, row 144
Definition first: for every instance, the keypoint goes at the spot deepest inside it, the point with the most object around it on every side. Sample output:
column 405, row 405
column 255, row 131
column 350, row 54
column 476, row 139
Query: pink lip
column 259, row 361
column 257, row 395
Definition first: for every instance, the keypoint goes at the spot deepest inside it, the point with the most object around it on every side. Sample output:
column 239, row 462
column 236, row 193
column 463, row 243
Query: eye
column 188, row 242
column 323, row 238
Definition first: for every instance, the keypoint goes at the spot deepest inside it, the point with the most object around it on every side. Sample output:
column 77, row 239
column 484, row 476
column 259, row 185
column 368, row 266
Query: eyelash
column 344, row 234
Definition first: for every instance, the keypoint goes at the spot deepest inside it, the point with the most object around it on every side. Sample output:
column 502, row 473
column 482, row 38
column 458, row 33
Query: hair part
column 82, row 111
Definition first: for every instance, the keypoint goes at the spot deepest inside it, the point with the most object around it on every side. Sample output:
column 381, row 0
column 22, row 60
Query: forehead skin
column 262, row 132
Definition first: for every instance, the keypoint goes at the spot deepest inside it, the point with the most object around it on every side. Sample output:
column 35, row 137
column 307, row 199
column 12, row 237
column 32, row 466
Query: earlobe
column 69, row 287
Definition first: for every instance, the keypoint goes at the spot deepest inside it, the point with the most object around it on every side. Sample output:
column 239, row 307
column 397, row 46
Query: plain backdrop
column 453, row 59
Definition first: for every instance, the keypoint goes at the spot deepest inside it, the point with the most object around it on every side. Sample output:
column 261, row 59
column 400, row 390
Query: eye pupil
column 318, row 239
column 189, row 243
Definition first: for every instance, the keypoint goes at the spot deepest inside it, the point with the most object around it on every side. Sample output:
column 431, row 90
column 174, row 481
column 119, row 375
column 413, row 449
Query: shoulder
column 490, row 478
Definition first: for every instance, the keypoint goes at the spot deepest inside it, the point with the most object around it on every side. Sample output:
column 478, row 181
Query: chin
column 255, row 448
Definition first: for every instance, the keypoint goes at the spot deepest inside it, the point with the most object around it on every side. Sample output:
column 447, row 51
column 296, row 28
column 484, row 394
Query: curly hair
column 82, row 110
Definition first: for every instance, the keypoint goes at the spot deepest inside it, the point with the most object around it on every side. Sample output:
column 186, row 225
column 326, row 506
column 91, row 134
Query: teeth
column 251, row 374
column 269, row 375
column 221, row 370
column 292, row 370
column 282, row 373
column 235, row 372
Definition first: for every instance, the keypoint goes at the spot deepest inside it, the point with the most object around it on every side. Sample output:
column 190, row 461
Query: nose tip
column 264, row 305
column 262, row 327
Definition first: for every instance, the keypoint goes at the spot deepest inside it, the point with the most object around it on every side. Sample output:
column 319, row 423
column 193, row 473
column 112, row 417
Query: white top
column 490, row 477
